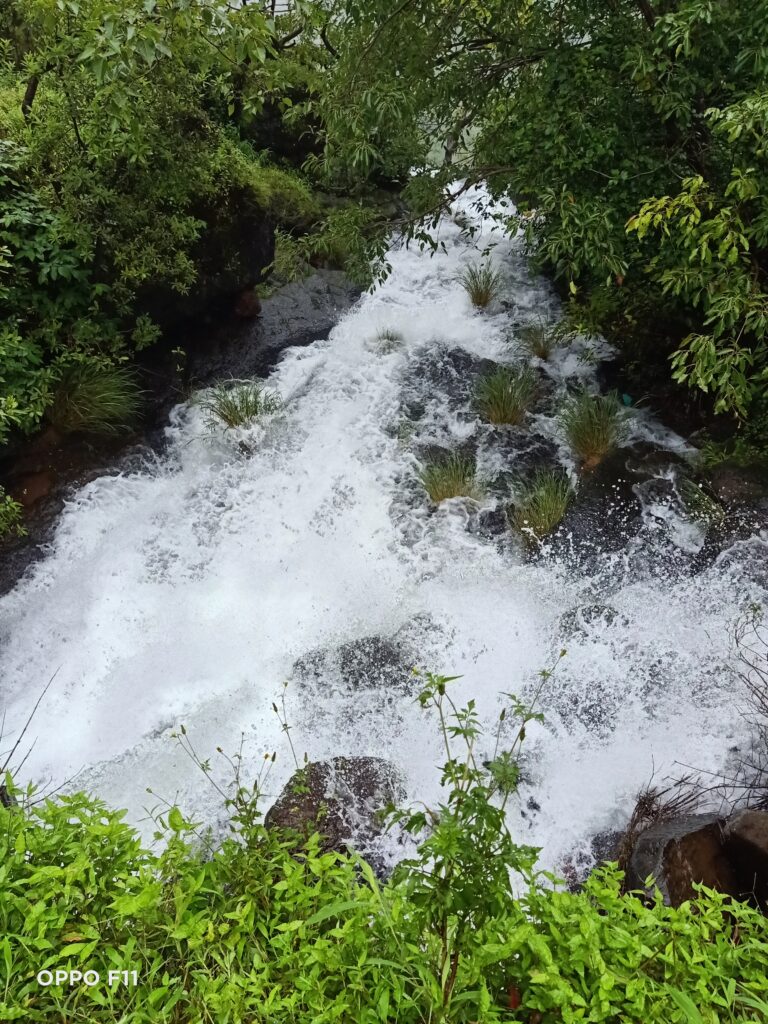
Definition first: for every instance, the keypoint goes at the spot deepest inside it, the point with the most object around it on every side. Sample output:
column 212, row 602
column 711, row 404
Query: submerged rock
column 371, row 662
column 343, row 800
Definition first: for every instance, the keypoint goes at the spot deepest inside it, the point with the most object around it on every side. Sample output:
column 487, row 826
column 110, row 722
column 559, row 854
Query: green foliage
column 505, row 395
column 96, row 399
column 451, row 477
column 481, row 283
column 124, row 177
column 541, row 504
column 630, row 135
column 594, row 425
column 11, row 517
column 258, row 929
column 237, row 403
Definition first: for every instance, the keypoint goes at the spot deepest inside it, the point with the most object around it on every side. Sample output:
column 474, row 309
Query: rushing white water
column 187, row 591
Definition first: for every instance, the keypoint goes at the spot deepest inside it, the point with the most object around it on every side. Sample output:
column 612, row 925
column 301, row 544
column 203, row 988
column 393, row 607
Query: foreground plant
column 505, row 395
column 481, row 283
column 11, row 512
column 451, row 477
column 95, row 398
column 237, row 403
column 542, row 504
column 594, row 425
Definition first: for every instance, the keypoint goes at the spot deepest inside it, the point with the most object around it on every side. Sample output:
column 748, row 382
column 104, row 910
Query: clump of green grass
column 95, row 399
column 594, row 425
column 482, row 283
column 388, row 341
column 452, row 477
column 542, row 504
column 237, row 403
column 700, row 505
column 505, row 395
column 538, row 340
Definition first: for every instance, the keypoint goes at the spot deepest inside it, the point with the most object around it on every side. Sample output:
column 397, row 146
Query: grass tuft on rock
column 451, row 477
column 700, row 505
column 505, row 395
column 538, row 340
column 237, row 403
column 594, row 425
column 94, row 398
column 387, row 341
column 481, row 283
column 542, row 503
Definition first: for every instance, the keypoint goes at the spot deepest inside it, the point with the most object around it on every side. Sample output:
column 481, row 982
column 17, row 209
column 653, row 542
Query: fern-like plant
column 452, row 477
column 505, row 395
column 594, row 425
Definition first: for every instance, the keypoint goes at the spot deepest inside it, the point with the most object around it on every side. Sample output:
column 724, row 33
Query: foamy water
column 186, row 592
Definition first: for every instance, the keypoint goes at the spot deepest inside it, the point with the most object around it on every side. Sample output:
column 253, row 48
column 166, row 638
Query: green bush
column 451, row 477
column 542, row 503
column 594, row 425
column 258, row 929
column 481, row 283
column 237, row 403
column 95, row 399
column 505, row 395
column 11, row 517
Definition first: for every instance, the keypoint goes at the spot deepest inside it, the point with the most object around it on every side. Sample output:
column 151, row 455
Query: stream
column 189, row 588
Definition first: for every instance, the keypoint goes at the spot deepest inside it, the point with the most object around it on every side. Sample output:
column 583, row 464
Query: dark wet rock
column 342, row 799
column 726, row 854
column 298, row 314
column 746, row 843
column 448, row 374
column 605, row 514
column 738, row 485
column 372, row 662
column 648, row 859
column 604, row 847
column 509, row 455
column 489, row 523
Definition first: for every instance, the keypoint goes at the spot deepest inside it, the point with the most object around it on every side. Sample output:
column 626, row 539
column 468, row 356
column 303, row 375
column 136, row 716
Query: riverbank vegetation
column 259, row 928
column 158, row 158
column 630, row 135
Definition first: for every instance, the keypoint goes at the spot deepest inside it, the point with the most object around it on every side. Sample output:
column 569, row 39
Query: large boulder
column 343, row 800
column 726, row 854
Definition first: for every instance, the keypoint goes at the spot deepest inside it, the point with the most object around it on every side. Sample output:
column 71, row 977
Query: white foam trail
column 184, row 593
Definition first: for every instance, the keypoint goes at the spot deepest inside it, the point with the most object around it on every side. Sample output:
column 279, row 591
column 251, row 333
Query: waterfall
column 190, row 589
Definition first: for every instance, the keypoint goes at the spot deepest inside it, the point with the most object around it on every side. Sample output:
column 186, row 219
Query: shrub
column 96, row 399
column 538, row 340
column 542, row 504
column 505, row 395
column 452, row 477
column 594, row 425
column 11, row 512
column 237, row 403
column 482, row 283
column 256, row 929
